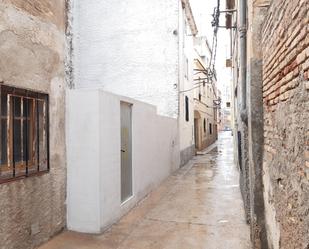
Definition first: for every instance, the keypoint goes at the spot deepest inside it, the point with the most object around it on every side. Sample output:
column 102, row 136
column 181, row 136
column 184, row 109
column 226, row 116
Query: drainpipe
column 243, row 58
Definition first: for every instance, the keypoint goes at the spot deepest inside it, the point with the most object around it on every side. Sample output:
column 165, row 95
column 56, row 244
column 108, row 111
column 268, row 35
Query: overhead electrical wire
column 210, row 71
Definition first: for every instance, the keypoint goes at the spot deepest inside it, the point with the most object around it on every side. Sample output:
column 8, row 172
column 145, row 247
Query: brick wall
column 285, row 45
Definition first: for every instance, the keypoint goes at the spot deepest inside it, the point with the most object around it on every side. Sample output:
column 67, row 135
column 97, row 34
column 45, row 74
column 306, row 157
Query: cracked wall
column 32, row 57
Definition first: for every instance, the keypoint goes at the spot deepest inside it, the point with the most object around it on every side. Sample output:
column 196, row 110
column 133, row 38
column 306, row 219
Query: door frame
column 125, row 197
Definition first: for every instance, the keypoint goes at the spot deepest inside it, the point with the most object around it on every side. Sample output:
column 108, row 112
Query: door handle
column 122, row 150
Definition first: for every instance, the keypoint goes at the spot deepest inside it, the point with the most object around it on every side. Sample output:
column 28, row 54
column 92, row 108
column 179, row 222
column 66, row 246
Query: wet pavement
column 199, row 206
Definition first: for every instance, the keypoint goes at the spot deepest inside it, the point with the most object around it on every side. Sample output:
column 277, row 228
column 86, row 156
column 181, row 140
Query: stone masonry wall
column 32, row 57
column 285, row 42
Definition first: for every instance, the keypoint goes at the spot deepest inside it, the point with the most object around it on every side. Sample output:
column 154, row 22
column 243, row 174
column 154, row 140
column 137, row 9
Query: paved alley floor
column 199, row 206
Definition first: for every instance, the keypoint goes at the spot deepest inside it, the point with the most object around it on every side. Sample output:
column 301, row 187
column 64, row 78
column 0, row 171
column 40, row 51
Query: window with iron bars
column 24, row 133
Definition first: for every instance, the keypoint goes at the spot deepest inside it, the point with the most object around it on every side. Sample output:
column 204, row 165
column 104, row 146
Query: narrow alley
column 154, row 124
column 199, row 206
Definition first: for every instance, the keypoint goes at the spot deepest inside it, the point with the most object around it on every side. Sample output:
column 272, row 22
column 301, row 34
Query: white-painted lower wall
column 93, row 156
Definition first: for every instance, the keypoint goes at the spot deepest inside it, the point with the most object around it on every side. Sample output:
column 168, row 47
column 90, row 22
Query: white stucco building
column 187, row 31
column 129, row 62
column 129, row 48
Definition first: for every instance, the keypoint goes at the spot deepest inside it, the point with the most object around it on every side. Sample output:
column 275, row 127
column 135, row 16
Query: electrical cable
column 210, row 72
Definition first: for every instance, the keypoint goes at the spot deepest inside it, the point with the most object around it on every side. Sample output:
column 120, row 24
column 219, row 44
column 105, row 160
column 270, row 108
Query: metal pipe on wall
column 243, row 57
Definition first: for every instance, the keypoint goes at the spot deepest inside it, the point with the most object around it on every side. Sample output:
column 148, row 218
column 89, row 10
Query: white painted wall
column 93, row 156
column 185, row 83
column 129, row 48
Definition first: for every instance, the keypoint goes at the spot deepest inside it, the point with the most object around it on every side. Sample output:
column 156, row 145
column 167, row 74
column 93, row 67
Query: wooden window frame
column 36, row 119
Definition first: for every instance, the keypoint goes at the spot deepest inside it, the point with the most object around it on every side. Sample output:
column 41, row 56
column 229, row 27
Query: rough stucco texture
column 31, row 56
column 129, row 48
column 286, row 119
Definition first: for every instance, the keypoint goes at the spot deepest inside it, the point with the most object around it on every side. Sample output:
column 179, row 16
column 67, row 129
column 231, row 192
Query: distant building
column 205, row 97
column 226, row 113
column 219, row 113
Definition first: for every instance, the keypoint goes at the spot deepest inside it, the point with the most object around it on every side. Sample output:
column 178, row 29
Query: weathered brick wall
column 32, row 57
column 285, row 43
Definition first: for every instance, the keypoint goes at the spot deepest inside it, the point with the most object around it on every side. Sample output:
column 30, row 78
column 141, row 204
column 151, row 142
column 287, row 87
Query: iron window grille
column 24, row 132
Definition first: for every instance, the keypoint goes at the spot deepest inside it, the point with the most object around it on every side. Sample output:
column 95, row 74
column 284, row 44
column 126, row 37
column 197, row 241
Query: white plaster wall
column 129, row 48
column 186, row 129
column 94, row 160
column 83, row 160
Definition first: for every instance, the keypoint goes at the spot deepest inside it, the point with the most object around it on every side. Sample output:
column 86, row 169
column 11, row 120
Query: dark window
column 24, row 133
column 210, row 128
column 204, row 125
column 187, row 108
column 199, row 97
column 228, row 104
column 239, row 149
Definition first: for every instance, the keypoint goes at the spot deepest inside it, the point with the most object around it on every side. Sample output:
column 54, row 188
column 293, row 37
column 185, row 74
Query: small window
column 187, row 108
column 24, row 133
column 204, row 125
column 210, row 128
column 199, row 96
column 228, row 104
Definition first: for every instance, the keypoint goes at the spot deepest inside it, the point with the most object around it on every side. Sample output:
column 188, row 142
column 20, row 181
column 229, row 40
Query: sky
column 202, row 11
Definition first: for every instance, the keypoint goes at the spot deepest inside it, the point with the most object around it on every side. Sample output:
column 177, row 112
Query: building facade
column 95, row 111
column 128, row 64
column 32, row 129
column 187, row 32
column 205, row 98
column 270, row 64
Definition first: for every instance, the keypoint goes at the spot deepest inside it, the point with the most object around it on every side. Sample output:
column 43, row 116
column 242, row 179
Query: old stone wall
column 32, row 57
column 285, row 46
column 257, row 10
